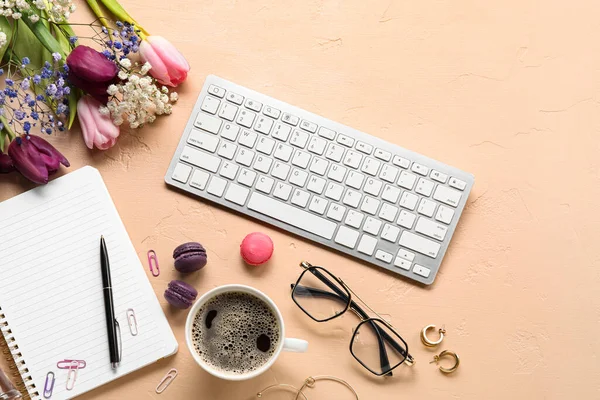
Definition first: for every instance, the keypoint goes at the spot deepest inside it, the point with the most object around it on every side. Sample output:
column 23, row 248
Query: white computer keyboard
column 319, row 179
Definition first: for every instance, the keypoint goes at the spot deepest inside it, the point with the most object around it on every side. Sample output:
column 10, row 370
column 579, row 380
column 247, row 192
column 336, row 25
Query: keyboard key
column 352, row 159
column 203, row 140
column 326, row 133
column 282, row 191
column 383, row 256
column 300, row 198
column 318, row 205
column 248, row 138
column 291, row 215
column 406, row 255
column 207, row 123
column 298, row 177
column 371, row 166
column 388, row 212
column 336, row 212
column 280, row 170
column 402, row 263
column 383, row 155
column 230, row 132
column 444, row 214
column 407, row 180
column 237, row 194
column 210, row 105
column 420, row 169
column 263, row 164
column 264, row 184
column 245, row 157
column 334, row 191
column 245, row 118
column 421, row 270
column 389, row 173
column 447, row 195
column 290, row 119
column 318, row 166
column 317, row 145
column 228, row 170
column 424, row 187
column 253, row 105
column 345, row 140
column 364, row 148
column 372, row 226
column 301, row 159
column 346, row 237
column 390, row 193
column 299, row 139
column 216, row 186
column 228, row 112
column 227, row 150
column 432, row 229
column 316, row 184
column 308, row 126
column 438, row 176
column 409, row 200
column 216, row 91
column 406, row 219
column 283, row 152
column 265, row 145
column 427, row 207
column 199, row 179
column 263, row 125
column 337, row 173
column 335, row 152
column 367, row 245
column 200, row 159
column 370, row 205
column 235, row 98
column 457, row 183
column 281, row 132
column 181, row 173
column 390, row 233
column 352, row 198
column 401, row 162
column 247, row 177
column 355, row 180
column 419, row 244
column 271, row 112
column 373, row 186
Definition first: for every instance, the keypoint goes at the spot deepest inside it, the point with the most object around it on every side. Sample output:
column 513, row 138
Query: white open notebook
column 51, row 299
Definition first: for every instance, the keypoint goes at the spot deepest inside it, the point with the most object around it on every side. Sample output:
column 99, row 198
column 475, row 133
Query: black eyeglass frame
column 346, row 296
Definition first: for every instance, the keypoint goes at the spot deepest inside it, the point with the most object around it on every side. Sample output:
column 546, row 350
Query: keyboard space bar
column 291, row 215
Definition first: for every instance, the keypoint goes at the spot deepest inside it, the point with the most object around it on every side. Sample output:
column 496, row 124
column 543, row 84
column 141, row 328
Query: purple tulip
column 91, row 72
column 6, row 164
column 35, row 158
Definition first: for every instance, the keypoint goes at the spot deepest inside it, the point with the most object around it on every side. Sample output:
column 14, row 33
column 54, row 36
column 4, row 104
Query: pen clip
column 119, row 341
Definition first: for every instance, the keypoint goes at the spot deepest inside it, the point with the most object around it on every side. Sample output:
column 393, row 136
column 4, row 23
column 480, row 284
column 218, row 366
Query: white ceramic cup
column 287, row 344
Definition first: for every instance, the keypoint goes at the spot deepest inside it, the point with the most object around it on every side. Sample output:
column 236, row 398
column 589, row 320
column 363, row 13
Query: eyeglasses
column 375, row 343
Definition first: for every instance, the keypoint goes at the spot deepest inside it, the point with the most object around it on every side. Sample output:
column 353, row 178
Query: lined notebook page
column 51, row 284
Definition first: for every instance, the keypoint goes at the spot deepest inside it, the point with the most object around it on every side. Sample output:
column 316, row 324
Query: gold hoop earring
column 428, row 342
column 436, row 359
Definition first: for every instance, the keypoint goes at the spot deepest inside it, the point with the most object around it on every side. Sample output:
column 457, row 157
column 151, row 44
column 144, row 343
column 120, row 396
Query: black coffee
column 235, row 332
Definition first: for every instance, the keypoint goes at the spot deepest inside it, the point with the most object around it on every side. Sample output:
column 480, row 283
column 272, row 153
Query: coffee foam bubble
column 229, row 329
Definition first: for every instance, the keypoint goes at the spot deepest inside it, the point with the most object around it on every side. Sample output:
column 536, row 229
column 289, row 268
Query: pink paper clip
column 67, row 364
column 153, row 263
column 72, row 375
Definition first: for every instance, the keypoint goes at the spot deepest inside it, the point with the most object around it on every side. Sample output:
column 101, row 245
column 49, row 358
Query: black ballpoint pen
column 111, row 321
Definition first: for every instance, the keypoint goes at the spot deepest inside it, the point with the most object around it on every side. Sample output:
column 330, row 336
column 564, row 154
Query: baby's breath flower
column 123, row 75
column 145, row 68
column 174, row 97
column 3, row 39
column 34, row 18
column 125, row 62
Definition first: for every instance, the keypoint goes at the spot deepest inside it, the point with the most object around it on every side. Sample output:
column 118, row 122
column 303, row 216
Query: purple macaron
column 180, row 294
column 189, row 257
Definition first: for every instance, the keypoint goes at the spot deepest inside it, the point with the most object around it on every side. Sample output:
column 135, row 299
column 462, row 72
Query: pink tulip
column 169, row 67
column 98, row 130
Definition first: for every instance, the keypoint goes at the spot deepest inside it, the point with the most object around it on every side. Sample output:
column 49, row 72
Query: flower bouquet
column 51, row 76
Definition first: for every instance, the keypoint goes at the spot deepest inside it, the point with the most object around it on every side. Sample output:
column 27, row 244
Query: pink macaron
column 256, row 248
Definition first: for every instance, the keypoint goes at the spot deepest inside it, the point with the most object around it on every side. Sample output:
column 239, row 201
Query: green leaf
column 7, row 28
column 44, row 36
column 2, row 141
column 98, row 11
column 122, row 15
column 73, row 99
column 26, row 44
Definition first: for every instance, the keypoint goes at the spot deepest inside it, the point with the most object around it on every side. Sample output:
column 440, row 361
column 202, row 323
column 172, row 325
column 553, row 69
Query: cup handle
column 295, row 345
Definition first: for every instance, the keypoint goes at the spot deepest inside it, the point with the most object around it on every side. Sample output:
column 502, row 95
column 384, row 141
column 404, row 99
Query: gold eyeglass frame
column 308, row 382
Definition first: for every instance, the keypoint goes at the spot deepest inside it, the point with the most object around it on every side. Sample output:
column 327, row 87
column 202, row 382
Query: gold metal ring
column 448, row 353
column 428, row 342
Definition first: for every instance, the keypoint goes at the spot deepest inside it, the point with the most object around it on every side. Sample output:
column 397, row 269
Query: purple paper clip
column 49, row 385
column 67, row 364
column 72, row 375
column 153, row 263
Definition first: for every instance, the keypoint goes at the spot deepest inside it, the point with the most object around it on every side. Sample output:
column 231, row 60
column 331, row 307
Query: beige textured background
column 508, row 91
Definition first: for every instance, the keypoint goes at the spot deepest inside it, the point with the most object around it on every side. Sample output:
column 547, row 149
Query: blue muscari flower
column 46, row 73
column 60, row 82
column 48, row 131
column 31, row 103
column 119, row 24
column 73, row 39
column 1, row 71
column 27, row 126
column 66, row 90
column 47, row 64
column 125, row 52
column 135, row 48
column 25, row 84
column 66, row 68
column 25, row 61
column 39, row 97
column 61, row 108
column 37, row 79
column 9, row 82
column 51, row 89
column 56, row 57
column 133, row 39
column 35, row 115
column 106, row 53
column 118, row 45
column 19, row 115
column 109, row 43
column 104, row 30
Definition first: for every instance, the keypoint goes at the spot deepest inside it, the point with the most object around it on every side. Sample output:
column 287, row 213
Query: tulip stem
column 98, row 11
column 7, row 129
column 118, row 11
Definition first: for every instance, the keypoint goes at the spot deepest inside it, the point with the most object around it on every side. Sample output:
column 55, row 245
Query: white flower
column 34, row 18
column 2, row 39
column 174, row 97
column 145, row 68
column 123, row 75
column 126, row 62
column 104, row 110
column 16, row 15
column 112, row 90
column 118, row 121
column 165, row 89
